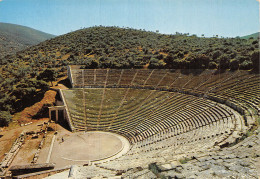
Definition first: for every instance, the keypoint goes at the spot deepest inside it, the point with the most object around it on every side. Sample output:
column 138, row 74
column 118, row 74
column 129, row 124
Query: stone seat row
column 189, row 123
column 169, row 138
column 126, row 77
column 238, row 87
column 188, row 111
column 218, row 114
column 171, row 147
column 184, row 124
column 210, row 79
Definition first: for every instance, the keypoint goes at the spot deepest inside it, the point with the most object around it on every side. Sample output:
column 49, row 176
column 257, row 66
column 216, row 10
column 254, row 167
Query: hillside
column 255, row 36
column 111, row 47
column 28, row 73
column 14, row 38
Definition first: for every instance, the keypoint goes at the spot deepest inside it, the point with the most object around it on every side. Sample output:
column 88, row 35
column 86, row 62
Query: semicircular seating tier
column 156, row 108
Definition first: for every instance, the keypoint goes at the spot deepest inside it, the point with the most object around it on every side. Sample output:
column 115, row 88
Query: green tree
column 223, row 62
column 94, row 64
column 24, row 92
column 216, row 54
column 5, row 118
column 169, row 60
column 197, row 61
column 213, row 65
column 255, row 59
column 234, row 64
column 155, row 63
column 48, row 75
column 246, row 65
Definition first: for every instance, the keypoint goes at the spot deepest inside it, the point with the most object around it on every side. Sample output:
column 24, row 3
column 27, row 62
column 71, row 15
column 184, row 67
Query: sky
column 227, row 18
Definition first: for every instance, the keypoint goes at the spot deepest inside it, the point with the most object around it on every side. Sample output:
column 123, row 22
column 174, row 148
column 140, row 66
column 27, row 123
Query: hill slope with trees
column 254, row 36
column 14, row 38
column 28, row 73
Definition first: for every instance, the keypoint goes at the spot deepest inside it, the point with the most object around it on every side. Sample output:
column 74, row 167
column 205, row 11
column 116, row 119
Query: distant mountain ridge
column 254, row 35
column 14, row 38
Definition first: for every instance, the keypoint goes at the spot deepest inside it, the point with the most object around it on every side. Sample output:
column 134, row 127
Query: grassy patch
column 155, row 169
column 184, row 160
column 258, row 120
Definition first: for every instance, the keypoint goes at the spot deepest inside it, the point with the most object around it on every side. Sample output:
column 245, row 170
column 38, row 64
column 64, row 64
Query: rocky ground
column 239, row 161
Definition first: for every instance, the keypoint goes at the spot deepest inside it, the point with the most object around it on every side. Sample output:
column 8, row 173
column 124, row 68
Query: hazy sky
column 227, row 18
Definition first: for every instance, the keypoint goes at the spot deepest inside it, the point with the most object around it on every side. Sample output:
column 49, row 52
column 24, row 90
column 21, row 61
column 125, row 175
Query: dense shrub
column 5, row 118
column 156, row 63
column 234, row 64
column 246, row 65
column 47, row 75
column 213, row 65
column 91, row 46
column 223, row 62
column 255, row 59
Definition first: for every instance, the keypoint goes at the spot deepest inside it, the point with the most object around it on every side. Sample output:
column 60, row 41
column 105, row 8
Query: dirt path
column 26, row 115
column 13, row 131
column 9, row 136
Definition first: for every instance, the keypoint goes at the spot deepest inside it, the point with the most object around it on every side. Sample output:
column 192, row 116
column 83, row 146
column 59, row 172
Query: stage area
column 82, row 147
